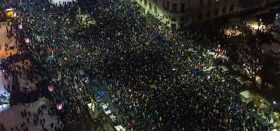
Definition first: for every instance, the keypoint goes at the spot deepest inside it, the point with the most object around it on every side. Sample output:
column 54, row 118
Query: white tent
column 246, row 96
column 61, row 1
column 120, row 128
column 91, row 106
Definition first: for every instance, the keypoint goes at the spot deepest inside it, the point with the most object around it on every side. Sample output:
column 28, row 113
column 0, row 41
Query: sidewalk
column 12, row 117
column 9, row 43
column 36, row 117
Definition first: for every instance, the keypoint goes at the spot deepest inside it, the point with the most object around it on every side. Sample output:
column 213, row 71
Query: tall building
column 271, row 62
column 177, row 13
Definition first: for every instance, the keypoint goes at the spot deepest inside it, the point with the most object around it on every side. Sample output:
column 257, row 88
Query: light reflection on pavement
column 7, row 48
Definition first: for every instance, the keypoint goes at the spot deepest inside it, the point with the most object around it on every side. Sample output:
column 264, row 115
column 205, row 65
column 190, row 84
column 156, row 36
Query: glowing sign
column 9, row 13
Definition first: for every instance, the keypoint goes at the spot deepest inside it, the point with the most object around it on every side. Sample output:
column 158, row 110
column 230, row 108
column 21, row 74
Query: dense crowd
column 157, row 79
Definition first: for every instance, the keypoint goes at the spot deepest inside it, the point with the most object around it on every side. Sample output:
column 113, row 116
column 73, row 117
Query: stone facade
column 177, row 13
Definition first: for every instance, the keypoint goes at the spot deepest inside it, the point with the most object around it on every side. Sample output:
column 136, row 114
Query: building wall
column 177, row 13
column 207, row 9
column 162, row 9
column 271, row 69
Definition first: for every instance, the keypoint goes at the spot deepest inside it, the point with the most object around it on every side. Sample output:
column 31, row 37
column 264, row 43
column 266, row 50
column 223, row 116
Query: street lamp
column 274, row 102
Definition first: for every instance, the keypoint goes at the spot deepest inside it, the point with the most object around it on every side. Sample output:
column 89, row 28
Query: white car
column 113, row 117
column 107, row 112
column 104, row 105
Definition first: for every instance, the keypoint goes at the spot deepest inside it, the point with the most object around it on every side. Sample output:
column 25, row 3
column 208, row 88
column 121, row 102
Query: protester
column 158, row 79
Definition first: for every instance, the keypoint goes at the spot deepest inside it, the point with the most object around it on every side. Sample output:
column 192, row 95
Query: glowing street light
column 15, row 14
column 59, row 106
column 27, row 40
column 20, row 26
column 51, row 88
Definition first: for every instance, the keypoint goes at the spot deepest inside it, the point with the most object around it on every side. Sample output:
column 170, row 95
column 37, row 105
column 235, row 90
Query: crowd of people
column 157, row 79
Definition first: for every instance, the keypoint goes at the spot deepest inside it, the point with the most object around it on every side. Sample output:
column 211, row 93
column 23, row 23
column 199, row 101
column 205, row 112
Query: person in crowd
column 156, row 79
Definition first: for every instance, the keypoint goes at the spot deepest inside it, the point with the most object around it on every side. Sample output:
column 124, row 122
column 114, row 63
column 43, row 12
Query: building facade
column 271, row 70
column 178, row 13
